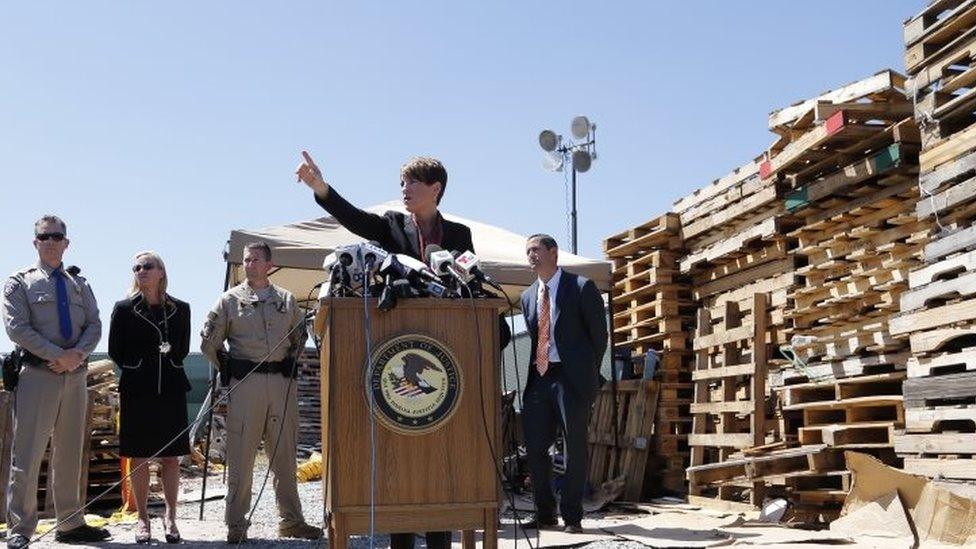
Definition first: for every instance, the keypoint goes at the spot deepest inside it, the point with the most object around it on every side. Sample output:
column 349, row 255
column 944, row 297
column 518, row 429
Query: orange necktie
column 542, row 348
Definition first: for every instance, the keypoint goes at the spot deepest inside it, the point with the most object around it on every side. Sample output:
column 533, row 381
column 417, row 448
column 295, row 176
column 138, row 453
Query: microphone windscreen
column 430, row 249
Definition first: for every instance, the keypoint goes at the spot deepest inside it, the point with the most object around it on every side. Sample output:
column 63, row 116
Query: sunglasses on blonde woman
column 143, row 267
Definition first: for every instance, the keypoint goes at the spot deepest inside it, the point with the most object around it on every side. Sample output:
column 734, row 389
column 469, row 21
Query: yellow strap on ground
column 44, row 526
column 311, row 469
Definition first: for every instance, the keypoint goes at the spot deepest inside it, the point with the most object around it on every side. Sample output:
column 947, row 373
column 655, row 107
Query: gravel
column 264, row 524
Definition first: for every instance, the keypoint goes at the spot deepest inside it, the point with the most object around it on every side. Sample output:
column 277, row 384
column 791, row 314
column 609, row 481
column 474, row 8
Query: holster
column 11, row 369
column 223, row 367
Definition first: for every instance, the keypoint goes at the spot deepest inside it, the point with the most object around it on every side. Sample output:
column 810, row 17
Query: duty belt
column 240, row 368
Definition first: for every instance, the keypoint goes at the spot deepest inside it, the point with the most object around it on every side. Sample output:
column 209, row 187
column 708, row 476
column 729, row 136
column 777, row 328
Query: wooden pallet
column 761, row 467
column 706, row 199
column 831, row 145
column 882, row 87
column 850, row 367
column 716, row 429
column 659, row 233
column 309, row 404
column 885, row 384
column 850, row 436
column 636, row 407
column 949, row 68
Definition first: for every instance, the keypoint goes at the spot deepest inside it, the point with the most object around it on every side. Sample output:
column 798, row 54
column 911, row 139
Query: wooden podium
column 435, row 391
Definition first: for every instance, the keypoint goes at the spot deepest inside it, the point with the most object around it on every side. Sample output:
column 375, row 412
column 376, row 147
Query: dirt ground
column 664, row 524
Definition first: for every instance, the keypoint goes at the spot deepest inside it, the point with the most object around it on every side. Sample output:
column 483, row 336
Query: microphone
column 416, row 273
column 469, row 263
column 442, row 263
column 373, row 255
column 428, row 250
column 331, row 266
column 351, row 271
column 440, row 260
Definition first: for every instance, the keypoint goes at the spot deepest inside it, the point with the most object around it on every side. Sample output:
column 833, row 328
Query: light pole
column 580, row 155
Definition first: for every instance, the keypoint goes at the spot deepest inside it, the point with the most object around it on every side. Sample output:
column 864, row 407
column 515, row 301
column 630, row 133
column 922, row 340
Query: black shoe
column 540, row 523
column 173, row 538
column 17, row 541
column 82, row 534
column 573, row 529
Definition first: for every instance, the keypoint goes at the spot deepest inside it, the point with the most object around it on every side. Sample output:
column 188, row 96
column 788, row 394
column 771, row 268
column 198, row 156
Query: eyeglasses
column 143, row 267
column 44, row 237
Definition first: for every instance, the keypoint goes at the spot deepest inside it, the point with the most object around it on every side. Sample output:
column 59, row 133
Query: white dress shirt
column 553, row 285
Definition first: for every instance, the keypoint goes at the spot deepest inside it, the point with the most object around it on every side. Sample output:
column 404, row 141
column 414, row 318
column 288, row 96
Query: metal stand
column 206, row 452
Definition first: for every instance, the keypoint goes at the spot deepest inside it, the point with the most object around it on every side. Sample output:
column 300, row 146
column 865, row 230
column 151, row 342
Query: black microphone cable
column 367, row 326
column 484, row 420
column 518, row 388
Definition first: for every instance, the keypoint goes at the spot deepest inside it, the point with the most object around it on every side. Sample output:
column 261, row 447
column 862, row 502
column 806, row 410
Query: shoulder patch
column 10, row 287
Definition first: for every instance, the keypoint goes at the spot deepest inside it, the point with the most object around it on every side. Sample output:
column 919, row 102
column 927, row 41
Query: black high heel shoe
column 143, row 538
column 172, row 538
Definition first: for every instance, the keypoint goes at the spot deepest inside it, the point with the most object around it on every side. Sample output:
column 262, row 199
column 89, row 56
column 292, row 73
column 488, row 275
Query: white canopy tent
column 299, row 249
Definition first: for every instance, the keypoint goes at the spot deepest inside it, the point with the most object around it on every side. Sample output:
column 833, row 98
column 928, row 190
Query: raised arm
column 365, row 224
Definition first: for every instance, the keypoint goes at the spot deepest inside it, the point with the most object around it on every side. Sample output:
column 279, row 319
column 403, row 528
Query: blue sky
column 164, row 126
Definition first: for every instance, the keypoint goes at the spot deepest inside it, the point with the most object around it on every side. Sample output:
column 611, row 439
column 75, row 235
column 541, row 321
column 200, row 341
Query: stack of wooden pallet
column 849, row 160
column 309, row 404
column 940, row 56
column 103, row 468
column 734, row 232
column 938, row 313
column 852, row 171
column 653, row 313
column 729, row 408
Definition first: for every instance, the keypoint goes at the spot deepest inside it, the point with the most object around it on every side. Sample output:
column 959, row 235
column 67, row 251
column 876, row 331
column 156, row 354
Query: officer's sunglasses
column 142, row 267
column 44, row 237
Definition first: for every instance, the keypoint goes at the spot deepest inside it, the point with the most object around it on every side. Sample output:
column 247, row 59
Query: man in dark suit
column 567, row 322
column 422, row 184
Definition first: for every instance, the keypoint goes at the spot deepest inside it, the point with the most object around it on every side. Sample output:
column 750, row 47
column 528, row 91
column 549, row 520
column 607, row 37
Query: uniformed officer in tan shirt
column 265, row 332
column 51, row 314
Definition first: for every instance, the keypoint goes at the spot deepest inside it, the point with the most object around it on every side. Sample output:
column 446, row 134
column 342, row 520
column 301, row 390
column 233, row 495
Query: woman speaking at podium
column 422, row 184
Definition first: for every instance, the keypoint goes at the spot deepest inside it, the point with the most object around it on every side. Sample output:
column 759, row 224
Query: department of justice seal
column 416, row 384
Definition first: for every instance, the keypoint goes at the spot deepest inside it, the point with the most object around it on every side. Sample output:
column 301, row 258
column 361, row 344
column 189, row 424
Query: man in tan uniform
column 51, row 313
column 265, row 332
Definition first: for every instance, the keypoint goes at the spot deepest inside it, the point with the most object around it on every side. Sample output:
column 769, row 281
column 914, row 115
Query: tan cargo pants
column 256, row 411
column 48, row 407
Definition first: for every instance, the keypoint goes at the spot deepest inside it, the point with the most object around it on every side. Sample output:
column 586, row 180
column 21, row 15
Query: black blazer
column 580, row 322
column 133, row 343
column 397, row 233
column 394, row 231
